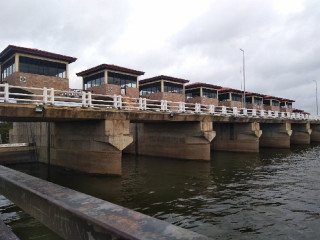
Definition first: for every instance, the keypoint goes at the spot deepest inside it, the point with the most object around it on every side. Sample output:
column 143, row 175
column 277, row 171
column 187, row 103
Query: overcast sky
column 196, row 40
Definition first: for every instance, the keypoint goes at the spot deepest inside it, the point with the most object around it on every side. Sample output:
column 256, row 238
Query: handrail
column 82, row 99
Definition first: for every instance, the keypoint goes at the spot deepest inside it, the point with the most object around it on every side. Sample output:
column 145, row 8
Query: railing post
column 245, row 112
column 262, row 113
column 269, row 113
column 211, row 109
column 115, row 101
column 165, row 105
column 84, row 99
column 235, row 111
column 45, row 96
column 282, row 115
column 89, row 100
column 162, row 105
column 197, row 108
column 144, row 104
column 254, row 112
column 276, row 114
column 6, row 92
column 182, row 107
column 224, row 110
column 119, row 101
column 52, row 96
column 140, row 104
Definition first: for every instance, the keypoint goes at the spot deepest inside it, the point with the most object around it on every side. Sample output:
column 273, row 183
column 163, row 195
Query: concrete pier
column 275, row 135
column 300, row 133
column 90, row 146
column 183, row 140
column 315, row 134
column 236, row 137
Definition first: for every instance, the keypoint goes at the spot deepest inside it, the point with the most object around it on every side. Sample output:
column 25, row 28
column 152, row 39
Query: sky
column 195, row 40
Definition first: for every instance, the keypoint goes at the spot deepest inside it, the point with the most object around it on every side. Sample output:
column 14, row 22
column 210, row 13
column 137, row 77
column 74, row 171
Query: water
column 273, row 194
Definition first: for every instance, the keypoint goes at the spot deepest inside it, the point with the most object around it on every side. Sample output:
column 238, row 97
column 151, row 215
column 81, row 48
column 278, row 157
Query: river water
column 274, row 194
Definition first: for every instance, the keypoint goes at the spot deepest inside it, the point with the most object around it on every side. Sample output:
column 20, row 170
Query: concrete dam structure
column 84, row 135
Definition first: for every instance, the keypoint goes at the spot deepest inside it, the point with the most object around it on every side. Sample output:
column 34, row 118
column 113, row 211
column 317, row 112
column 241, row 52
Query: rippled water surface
column 274, row 194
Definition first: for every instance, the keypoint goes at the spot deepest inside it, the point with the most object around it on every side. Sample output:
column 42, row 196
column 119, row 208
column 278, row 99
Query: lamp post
column 244, row 79
column 316, row 95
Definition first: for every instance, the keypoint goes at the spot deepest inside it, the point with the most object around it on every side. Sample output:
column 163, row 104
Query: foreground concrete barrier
column 6, row 233
column 74, row 215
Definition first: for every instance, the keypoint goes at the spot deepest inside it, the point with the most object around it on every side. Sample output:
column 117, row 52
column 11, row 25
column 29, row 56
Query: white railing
column 82, row 99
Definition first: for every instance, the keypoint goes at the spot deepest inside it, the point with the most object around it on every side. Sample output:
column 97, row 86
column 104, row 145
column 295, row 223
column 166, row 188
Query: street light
column 244, row 80
column 316, row 95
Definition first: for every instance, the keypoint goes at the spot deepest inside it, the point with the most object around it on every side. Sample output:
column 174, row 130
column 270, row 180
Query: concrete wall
column 275, row 135
column 315, row 134
column 88, row 146
column 183, row 140
column 30, row 132
column 236, row 137
column 300, row 133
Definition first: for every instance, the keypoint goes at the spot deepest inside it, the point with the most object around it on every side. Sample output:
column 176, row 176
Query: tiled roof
column 199, row 84
column 11, row 49
column 109, row 67
column 225, row 89
column 163, row 77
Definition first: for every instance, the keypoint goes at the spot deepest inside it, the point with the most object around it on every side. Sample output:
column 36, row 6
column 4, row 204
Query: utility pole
column 316, row 95
column 244, row 79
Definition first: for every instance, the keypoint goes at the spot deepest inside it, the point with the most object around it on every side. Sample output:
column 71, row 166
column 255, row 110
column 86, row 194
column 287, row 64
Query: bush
column 4, row 131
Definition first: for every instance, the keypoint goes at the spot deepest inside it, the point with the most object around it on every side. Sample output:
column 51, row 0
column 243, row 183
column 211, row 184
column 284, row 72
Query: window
column 248, row 99
column 258, row 101
column 150, row 88
column 42, row 67
column 8, row 68
column 289, row 105
column 173, row 88
column 282, row 105
column 209, row 93
column 192, row 93
column 224, row 97
column 93, row 81
column 275, row 103
column 122, row 80
column 236, row 97
column 266, row 102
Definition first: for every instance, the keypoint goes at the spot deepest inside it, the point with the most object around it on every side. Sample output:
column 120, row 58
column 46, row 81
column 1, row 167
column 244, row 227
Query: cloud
column 199, row 41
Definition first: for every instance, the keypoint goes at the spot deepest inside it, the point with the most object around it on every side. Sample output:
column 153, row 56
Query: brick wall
column 272, row 108
column 106, row 89
column 38, row 81
column 111, row 89
column 132, row 92
column 254, row 106
column 286, row 110
column 203, row 100
column 231, row 104
column 174, row 97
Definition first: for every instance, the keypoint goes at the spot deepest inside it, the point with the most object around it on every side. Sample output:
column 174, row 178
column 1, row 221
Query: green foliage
column 4, row 131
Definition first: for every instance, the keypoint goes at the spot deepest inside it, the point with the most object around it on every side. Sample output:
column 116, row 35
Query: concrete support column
column 275, row 135
column 315, row 134
column 236, row 137
column 90, row 146
column 184, row 140
column 300, row 133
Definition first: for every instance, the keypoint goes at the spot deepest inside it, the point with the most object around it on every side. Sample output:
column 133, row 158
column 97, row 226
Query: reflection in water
column 271, row 194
